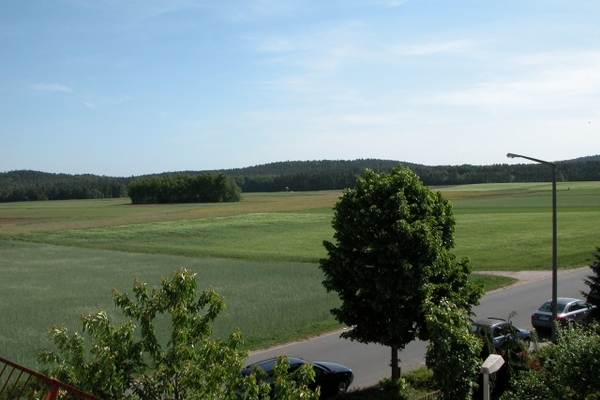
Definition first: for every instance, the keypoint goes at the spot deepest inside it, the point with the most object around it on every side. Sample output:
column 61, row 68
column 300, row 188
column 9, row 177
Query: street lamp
column 554, row 235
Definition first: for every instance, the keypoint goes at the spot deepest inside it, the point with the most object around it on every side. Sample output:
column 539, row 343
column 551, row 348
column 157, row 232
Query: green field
column 62, row 258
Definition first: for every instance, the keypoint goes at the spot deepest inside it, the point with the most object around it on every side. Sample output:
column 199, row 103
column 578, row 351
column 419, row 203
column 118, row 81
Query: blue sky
column 121, row 88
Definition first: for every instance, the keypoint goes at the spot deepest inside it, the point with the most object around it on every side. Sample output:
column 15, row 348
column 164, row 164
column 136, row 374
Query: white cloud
column 256, row 9
column 458, row 46
column 52, row 87
column 543, row 81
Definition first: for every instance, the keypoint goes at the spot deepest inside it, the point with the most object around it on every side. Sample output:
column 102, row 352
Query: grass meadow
column 61, row 259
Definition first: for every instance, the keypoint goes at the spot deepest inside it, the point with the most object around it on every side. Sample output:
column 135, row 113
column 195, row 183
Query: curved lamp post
column 554, row 235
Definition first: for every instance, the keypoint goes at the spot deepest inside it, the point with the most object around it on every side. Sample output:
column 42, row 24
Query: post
column 554, row 254
column 395, row 366
column 490, row 366
column 554, row 238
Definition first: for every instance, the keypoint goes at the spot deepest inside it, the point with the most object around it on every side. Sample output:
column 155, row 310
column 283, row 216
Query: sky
column 132, row 87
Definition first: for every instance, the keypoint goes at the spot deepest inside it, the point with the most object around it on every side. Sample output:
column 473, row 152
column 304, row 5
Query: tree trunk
column 395, row 364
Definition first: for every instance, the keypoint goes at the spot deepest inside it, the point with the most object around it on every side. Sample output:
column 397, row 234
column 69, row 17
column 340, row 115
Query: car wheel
column 342, row 387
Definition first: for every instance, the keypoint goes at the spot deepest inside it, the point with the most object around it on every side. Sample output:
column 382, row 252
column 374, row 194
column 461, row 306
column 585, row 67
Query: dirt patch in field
column 16, row 221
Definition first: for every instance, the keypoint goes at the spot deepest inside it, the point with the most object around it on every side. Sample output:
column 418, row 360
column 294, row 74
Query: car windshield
column 547, row 306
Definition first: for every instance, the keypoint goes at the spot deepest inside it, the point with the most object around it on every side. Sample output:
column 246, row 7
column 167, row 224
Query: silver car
column 568, row 309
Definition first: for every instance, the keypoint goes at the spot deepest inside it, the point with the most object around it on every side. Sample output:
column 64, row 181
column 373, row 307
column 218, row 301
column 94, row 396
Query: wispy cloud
column 325, row 48
column 545, row 81
column 457, row 46
column 256, row 9
column 90, row 100
column 52, row 87
column 390, row 3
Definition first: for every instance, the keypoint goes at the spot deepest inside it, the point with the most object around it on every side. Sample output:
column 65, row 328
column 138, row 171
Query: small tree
column 191, row 365
column 392, row 259
column 452, row 347
column 593, row 282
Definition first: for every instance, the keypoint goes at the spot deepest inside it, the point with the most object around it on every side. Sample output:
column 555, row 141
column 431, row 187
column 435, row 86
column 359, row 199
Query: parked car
column 332, row 378
column 568, row 309
column 499, row 330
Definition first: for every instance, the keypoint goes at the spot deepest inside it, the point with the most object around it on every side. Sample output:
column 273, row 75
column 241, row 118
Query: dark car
column 568, row 309
column 499, row 330
column 332, row 378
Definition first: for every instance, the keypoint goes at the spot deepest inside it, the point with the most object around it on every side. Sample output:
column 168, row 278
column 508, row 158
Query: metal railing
column 432, row 396
column 17, row 382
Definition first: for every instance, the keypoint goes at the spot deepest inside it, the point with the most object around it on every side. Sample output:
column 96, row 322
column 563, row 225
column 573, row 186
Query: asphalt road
column 371, row 362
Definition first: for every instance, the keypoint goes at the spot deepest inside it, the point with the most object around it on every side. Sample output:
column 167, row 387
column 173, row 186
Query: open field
column 60, row 259
column 500, row 226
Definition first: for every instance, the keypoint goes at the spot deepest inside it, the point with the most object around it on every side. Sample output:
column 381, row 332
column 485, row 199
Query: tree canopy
column 391, row 260
column 203, row 188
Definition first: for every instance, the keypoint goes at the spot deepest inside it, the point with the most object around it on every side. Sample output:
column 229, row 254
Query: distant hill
column 27, row 185
column 583, row 159
column 296, row 167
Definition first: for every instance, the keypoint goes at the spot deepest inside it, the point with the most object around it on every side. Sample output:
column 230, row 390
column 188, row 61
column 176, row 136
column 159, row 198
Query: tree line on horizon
column 26, row 185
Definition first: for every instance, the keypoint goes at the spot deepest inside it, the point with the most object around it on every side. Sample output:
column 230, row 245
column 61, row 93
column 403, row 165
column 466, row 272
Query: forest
column 27, row 185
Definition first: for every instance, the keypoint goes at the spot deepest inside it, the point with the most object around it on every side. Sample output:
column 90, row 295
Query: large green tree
column 391, row 260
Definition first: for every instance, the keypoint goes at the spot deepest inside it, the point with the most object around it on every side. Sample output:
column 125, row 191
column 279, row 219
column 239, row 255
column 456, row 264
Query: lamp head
column 511, row 155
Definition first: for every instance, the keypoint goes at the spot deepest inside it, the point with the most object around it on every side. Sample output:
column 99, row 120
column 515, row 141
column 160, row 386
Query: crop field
column 61, row 259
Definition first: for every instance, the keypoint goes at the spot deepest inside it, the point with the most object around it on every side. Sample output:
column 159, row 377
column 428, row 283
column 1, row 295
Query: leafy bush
column 567, row 370
column 420, row 378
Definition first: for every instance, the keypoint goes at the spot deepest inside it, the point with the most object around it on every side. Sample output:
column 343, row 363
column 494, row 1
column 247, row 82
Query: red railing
column 17, row 382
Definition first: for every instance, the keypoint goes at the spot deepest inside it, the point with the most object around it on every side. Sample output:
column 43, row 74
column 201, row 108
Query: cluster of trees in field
column 27, row 185
column 210, row 187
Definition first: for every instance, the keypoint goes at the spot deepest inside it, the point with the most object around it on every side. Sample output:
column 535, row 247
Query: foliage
column 593, row 282
column 191, row 365
column 396, row 388
column 203, row 188
column 567, row 370
column 420, row 378
column 416, row 384
column 386, row 389
column 296, row 388
column 392, row 257
column 452, row 347
column 114, row 359
column 27, row 185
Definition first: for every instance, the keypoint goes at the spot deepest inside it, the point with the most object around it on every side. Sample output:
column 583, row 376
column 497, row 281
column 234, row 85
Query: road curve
column 371, row 362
